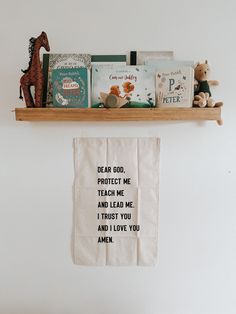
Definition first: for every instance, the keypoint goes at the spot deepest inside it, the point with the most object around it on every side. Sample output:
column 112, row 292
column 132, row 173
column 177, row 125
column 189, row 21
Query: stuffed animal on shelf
column 33, row 75
column 202, row 93
column 111, row 100
column 114, row 99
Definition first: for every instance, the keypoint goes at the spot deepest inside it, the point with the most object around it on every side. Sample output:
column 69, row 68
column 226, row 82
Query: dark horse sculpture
column 33, row 75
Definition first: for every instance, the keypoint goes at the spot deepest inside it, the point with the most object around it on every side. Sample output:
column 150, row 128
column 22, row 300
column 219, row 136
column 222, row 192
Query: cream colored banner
column 116, row 201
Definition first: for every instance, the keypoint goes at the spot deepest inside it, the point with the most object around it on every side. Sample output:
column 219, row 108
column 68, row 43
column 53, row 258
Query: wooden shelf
column 124, row 114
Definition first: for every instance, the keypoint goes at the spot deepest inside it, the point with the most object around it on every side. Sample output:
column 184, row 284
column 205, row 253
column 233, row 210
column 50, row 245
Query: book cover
column 126, row 86
column 71, row 87
column 108, row 59
column 52, row 61
column 175, row 87
column 141, row 57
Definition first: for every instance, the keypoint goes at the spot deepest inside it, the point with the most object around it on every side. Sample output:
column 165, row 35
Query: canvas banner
column 115, row 201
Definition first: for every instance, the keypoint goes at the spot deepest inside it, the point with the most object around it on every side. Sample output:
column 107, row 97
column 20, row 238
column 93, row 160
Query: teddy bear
column 202, row 93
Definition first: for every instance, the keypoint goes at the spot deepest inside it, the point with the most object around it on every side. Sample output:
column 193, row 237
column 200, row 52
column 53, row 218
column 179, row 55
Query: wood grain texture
column 127, row 114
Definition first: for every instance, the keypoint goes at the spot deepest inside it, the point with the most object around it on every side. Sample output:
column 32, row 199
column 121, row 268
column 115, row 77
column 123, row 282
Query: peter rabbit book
column 71, row 88
column 52, row 61
column 175, row 87
column 124, row 86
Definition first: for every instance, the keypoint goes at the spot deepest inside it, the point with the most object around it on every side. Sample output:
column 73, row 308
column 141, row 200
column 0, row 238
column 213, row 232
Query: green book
column 108, row 59
column 52, row 61
column 71, row 88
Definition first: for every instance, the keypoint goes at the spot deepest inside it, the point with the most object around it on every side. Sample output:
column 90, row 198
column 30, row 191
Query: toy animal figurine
column 33, row 75
column 114, row 99
column 111, row 100
column 202, row 93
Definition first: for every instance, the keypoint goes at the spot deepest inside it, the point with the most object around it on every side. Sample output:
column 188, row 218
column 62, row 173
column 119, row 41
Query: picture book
column 141, row 57
column 52, row 61
column 124, row 86
column 108, row 59
column 175, row 87
column 71, row 88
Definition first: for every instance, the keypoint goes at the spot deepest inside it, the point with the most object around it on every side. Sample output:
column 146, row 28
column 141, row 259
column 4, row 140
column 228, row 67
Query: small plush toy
column 202, row 93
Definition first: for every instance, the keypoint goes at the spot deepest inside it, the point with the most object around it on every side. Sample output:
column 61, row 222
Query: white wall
column 197, row 246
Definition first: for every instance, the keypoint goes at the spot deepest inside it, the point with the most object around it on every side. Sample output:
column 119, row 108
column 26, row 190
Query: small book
column 108, row 59
column 123, row 86
column 52, row 61
column 71, row 88
column 141, row 57
column 175, row 87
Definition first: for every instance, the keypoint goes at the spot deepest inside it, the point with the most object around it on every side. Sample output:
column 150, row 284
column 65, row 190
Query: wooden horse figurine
column 33, row 76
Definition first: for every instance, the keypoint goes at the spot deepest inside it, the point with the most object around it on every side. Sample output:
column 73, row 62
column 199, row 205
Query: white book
column 168, row 64
column 141, row 57
column 133, row 86
column 175, row 87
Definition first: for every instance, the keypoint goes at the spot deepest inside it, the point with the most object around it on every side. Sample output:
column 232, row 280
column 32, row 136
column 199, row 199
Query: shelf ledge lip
column 118, row 114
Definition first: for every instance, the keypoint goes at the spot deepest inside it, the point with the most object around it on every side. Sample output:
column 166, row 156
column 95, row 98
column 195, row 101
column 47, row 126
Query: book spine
column 133, row 57
column 89, row 88
column 45, row 76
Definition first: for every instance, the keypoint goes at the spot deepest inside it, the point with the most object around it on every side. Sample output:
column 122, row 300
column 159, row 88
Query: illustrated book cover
column 71, row 88
column 175, row 87
column 52, row 61
column 132, row 86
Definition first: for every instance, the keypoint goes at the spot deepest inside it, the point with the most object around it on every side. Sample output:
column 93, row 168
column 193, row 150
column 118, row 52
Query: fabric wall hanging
column 115, row 201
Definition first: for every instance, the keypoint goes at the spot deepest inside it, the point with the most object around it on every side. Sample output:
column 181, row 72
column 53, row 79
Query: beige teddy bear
column 202, row 93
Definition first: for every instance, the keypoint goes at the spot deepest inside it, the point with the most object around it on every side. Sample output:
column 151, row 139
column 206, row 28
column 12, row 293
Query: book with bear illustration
column 123, row 86
column 71, row 88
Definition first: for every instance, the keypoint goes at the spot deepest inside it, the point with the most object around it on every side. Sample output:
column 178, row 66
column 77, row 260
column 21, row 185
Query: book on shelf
column 141, row 57
column 108, row 59
column 168, row 64
column 123, row 86
column 175, row 85
column 52, row 61
column 71, row 88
